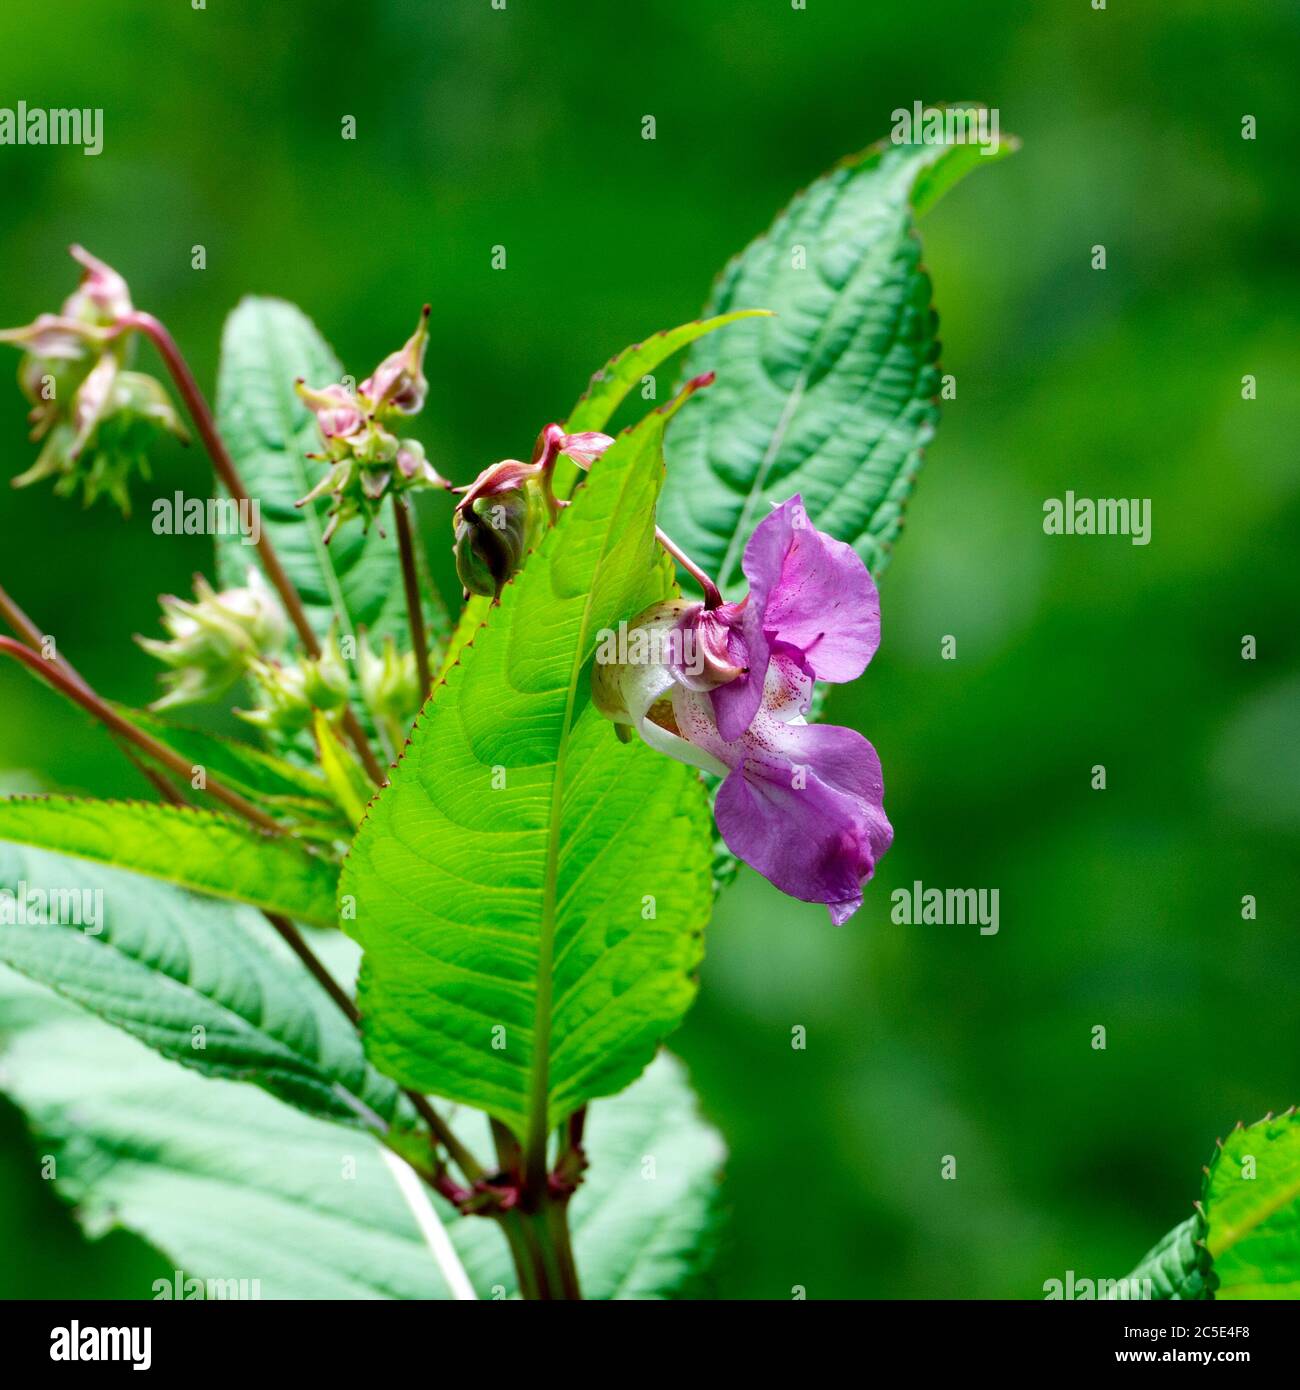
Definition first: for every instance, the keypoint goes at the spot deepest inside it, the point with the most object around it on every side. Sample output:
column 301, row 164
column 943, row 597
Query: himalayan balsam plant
column 521, row 812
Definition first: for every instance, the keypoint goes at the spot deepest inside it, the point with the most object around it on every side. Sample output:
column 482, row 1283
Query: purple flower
column 801, row 803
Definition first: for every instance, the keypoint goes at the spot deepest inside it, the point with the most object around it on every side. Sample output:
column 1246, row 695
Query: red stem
column 712, row 594
column 82, row 695
column 411, row 583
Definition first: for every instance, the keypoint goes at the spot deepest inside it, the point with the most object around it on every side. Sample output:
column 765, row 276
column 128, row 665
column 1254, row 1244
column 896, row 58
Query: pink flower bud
column 102, row 297
column 337, row 413
column 398, row 383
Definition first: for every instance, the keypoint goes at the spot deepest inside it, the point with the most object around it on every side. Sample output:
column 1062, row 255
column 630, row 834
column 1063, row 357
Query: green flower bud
column 290, row 695
column 215, row 640
column 282, row 704
column 325, row 680
column 389, row 681
column 368, row 462
column 497, row 521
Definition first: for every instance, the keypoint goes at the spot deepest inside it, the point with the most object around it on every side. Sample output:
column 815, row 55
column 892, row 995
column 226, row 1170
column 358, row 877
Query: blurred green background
column 1121, row 907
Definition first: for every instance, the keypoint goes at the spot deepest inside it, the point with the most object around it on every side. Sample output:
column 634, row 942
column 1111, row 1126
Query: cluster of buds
column 367, row 461
column 221, row 638
column 97, row 419
column 290, row 693
column 501, row 514
column 216, row 639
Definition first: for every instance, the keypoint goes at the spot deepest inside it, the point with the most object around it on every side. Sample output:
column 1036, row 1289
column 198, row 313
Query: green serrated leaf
column 199, row 850
column 530, row 892
column 610, row 385
column 833, row 398
column 203, row 983
column 231, row 1184
column 1252, row 1209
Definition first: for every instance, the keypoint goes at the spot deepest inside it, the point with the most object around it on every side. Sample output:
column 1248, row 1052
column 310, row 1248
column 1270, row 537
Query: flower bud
column 338, row 414
column 289, row 695
column 414, row 467
column 500, row 516
column 97, row 419
column 325, row 679
column 398, row 384
column 360, row 481
column 282, row 704
column 214, row 640
column 367, row 461
column 389, row 681
column 102, row 297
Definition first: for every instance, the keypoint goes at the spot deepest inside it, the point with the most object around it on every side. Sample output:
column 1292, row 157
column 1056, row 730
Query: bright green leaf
column 1252, row 1207
column 206, row 984
column 625, row 369
column 833, row 398
column 199, row 850
column 530, row 892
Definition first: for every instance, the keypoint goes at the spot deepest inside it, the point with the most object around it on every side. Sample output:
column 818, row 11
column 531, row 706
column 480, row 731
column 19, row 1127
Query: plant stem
column 411, row 582
column 521, row 1252
column 13, row 614
column 84, row 696
column 362, row 744
column 156, row 331
column 545, row 1232
column 537, row 1227
column 712, row 594
column 557, row 1224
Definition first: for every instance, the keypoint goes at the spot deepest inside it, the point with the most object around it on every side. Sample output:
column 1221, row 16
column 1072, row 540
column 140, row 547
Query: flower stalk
column 411, row 583
column 27, row 630
column 712, row 594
